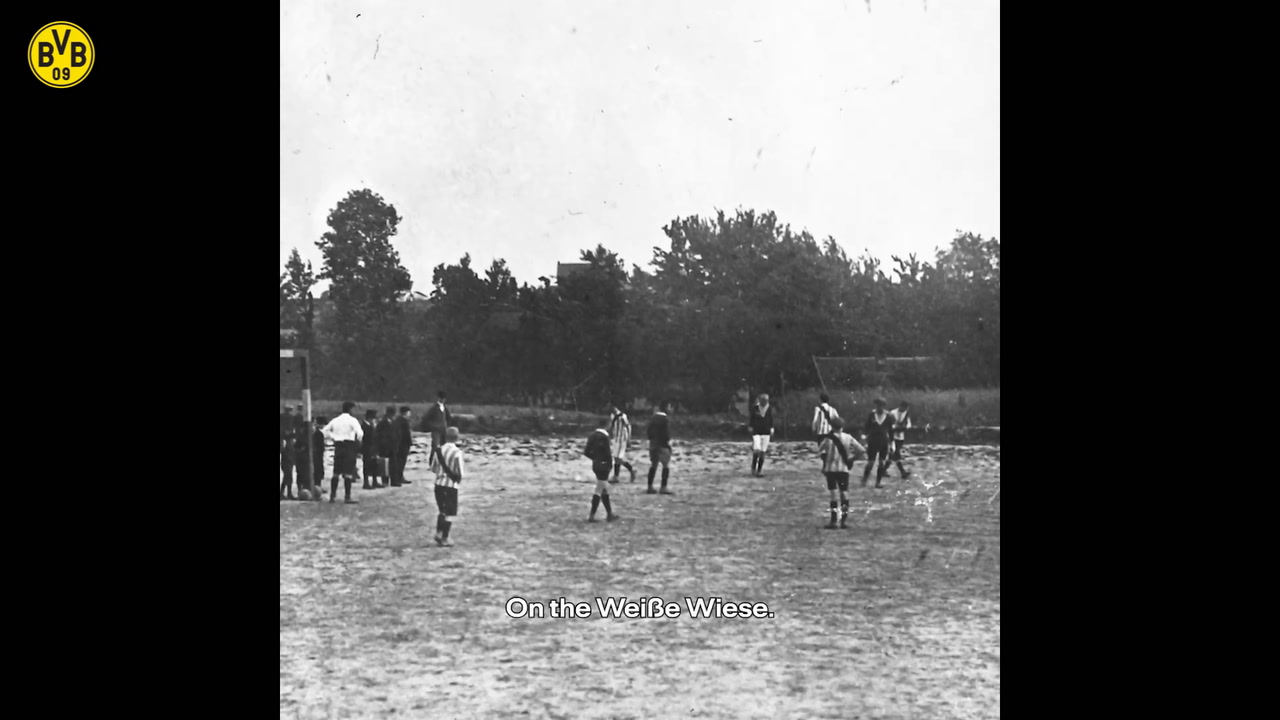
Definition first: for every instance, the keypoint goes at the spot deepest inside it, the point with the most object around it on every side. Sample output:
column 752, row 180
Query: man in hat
column 436, row 420
column 878, row 428
column 404, row 443
column 761, row 432
column 369, row 448
column 346, row 433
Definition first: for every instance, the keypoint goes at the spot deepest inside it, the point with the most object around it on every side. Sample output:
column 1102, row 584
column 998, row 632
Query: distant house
column 564, row 270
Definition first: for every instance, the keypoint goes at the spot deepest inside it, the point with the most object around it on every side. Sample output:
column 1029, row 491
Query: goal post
column 301, row 360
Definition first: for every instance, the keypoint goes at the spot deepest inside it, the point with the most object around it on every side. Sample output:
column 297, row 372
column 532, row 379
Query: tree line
column 735, row 300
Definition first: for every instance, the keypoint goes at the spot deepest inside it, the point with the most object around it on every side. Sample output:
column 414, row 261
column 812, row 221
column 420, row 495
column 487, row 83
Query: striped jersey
column 831, row 459
column 822, row 416
column 901, row 421
column 620, row 431
column 453, row 460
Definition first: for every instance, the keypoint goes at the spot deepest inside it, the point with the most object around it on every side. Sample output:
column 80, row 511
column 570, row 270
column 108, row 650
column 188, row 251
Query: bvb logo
column 60, row 54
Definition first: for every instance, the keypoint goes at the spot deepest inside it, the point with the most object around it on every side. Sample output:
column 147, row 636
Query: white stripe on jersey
column 902, row 421
column 831, row 460
column 820, row 424
column 620, row 429
column 453, row 459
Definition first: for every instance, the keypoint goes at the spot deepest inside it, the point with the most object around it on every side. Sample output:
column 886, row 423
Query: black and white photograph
column 639, row 359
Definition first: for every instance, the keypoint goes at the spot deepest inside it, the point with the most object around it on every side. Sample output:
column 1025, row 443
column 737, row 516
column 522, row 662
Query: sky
column 532, row 129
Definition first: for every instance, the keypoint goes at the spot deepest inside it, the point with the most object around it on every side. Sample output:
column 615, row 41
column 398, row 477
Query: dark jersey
column 761, row 424
column 879, row 431
column 659, row 432
column 598, row 447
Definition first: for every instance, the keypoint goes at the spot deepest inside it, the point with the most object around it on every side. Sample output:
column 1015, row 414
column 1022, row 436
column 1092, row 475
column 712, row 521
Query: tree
column 297, row 306
column 366, row 284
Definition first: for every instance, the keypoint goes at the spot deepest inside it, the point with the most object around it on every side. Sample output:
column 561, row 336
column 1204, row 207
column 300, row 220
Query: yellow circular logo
column 61, row 54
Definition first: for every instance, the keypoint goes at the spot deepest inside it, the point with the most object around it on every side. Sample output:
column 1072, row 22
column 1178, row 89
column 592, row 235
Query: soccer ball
column 303, row 494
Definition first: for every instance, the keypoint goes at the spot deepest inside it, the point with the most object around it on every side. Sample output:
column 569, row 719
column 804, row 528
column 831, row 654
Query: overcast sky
column 531, row 129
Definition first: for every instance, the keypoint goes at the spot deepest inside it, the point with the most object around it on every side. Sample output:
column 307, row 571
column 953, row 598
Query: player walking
column 446, row 460
column 761, row 433
column 836, row 463
column 601, row 463
column 901, row 422
column 878, row 428
column 659, row 432
column 620, row 431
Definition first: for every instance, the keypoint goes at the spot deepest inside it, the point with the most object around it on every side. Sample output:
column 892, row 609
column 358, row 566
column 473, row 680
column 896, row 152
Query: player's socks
column 653, row 470
column 444, row 536
column 608, row 506
column 595, row 504
column 666, row 473
column 349, row 482
column 833, row 512
column 844, row 511
column 333, row 488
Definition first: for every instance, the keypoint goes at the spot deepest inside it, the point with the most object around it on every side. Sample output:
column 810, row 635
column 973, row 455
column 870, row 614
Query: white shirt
column 344, row 428
column 901, row 421
column 453, row 459
column 821, row 426
column 831, row 460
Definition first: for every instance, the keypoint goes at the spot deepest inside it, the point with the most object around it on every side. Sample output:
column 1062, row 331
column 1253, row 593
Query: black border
column 166, row 274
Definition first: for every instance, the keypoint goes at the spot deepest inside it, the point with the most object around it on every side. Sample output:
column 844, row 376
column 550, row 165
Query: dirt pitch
column 896, row 617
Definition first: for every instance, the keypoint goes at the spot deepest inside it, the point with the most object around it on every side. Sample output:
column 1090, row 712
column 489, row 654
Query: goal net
column 847, row 373
column 850, row 373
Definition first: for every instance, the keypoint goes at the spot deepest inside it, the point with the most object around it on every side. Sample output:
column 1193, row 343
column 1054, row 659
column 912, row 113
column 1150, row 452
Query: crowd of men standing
column 383, row 443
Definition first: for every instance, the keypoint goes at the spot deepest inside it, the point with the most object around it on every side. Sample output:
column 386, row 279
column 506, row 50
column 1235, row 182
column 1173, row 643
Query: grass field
column 943, row 408
column 896, row 617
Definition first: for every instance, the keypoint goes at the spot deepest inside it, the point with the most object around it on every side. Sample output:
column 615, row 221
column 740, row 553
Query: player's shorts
column 660, row 456
column 837, row 480
column 760, row 443
column 878, row 449
column 447, row 500
column 602, row 469
column 344, row 457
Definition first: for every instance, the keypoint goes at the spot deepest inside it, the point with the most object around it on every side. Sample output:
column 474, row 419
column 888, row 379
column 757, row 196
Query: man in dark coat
column 317, row 452
column 387, row 443
column 286, row 452
column 436, row 420
column 369, row 448
column 403, row 443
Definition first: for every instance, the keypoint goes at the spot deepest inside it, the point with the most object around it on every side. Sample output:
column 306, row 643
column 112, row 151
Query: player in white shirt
column 901, row 421
column 346, row 433
column 620, row 432
column 823, row 414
